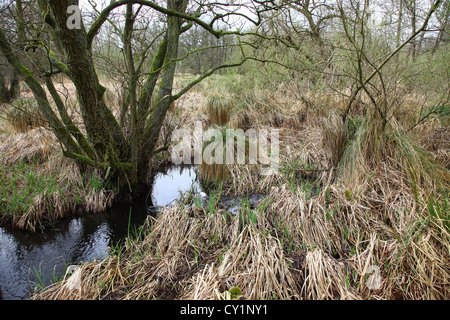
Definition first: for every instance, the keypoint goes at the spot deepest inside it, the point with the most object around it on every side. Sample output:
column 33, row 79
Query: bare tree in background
column 204, row 50
column 443, row 17
column 9, row 79
column 368, row 68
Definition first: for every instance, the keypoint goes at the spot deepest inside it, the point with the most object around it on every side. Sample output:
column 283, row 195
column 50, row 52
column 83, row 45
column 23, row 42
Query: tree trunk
column 58, row 128
column 101, row 126
column 123, row 154
column 165, row 92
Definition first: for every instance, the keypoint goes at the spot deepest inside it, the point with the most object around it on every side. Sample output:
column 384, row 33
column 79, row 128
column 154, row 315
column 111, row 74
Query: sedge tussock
column 325, row 278
column 370, row 143
column 424, row 171
column 304, row 220
column 304, row 146
column 218, row 108
column 205, row 285
column 333, row 137
column 39, row 210
column 214, row 172
column 437, row 142
column 93, row 279
column 398, row 235
column 37, row 143
column 254, row 263
column 244, row 179
column 351, row 165
column 98, row 200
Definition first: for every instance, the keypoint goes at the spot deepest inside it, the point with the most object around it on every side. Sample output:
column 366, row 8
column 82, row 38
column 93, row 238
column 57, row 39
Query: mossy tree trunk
column 122, row 147
column 123, row 152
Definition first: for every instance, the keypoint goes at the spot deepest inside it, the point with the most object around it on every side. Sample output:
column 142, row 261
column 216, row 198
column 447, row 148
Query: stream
column 24, row 254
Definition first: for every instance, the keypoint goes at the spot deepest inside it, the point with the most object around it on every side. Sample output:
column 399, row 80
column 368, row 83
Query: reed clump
column 231, row 159
column 370, row 142
column 218, row 108
column 214, row 168
column 254, row 263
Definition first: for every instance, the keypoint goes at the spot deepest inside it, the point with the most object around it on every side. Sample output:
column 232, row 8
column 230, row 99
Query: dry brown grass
column 189, row 254
column 334, row 137
column 35, row 143
column 325, row 278
column 328, row 259
column 372, row 210
column 23, row 115
column 437, row 142
column 69, row 193
column 240, row 119
column 214, row 173
column 218, row 108
column 254, row 263
column 155, row 264
column 176, row 259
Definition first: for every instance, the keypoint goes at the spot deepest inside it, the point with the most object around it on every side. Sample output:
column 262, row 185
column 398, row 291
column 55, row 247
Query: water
column 80, row 239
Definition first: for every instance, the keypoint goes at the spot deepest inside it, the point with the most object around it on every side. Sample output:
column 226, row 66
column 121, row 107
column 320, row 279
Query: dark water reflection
column 80, row 239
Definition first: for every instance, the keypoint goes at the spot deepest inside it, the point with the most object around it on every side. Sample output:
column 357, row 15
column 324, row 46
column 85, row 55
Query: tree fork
column 58, row 128
column 96, row 116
